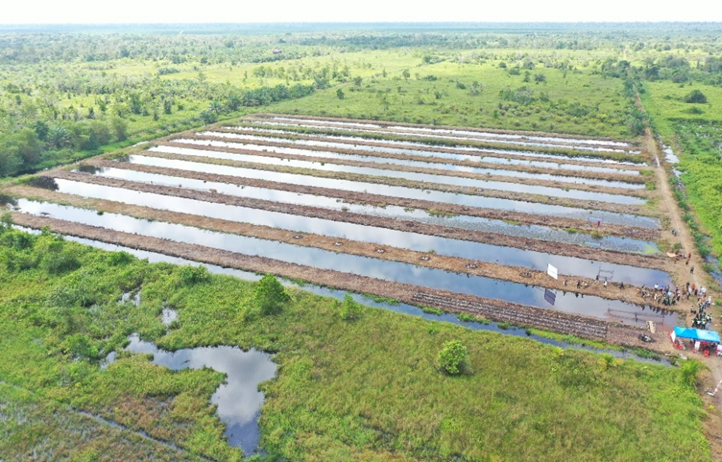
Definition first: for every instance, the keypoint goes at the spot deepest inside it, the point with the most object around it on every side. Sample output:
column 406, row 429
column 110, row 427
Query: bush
column 695, row 96
column 270, row 296
column 689, row 372
column 350, row 308
column 190, row 275
column 453, row 358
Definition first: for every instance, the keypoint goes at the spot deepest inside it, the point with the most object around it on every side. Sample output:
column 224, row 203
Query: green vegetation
column 350, row 308
column 453, row 358
column 57, row 322
column 270, row 297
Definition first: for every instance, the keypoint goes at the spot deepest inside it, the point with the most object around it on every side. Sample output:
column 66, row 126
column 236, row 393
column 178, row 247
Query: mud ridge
column 571, row 250
column 495, row 309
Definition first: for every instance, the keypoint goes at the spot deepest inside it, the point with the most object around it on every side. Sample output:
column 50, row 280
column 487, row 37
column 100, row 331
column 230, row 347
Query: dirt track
column 645, row 261
column 381, row 201
column 517, row 196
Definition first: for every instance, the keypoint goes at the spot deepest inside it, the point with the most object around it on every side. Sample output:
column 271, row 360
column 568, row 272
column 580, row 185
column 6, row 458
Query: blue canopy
column 697, row 334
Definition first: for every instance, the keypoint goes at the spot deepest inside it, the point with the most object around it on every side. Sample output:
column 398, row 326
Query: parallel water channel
column 579, row 147
column 456, row 131
column 364, row 266
column 403, row 308
column 389, row 211
column 356, row 141
column 559, row 164
column 238, row 399
column 405, row 192
column 410, row 163
column 425, row 177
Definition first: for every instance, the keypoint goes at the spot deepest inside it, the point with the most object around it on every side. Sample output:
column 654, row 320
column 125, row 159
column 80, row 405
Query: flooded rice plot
column 449, row 167
column 442, row 134
column 328, row 140
column 451, row 154
column 390, row 211
column 404, row 192
column 422, row 216
column 413, row 176
column 395, row 239
column 563, row 140
column 391, row 271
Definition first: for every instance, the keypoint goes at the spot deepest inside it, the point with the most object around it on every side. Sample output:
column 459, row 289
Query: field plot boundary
column 382, row 200
column 630, row 142
column 524, row 315
column 559, row 184
column 450, row 263
column 632, row 179
column 641, row 210
column 612, row 256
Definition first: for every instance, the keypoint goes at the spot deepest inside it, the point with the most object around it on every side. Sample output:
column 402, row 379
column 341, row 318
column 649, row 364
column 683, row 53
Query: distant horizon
column 85, row 12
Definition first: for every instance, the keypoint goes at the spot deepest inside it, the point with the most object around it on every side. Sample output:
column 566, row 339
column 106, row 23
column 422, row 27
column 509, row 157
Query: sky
column 238, row 11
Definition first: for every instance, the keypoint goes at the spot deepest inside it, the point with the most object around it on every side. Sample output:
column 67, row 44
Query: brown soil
column 430, row 148
column 345, row 281
column 611, row 256
column 432, row 171
column 431, row 159
column 384, row 123
column 382, row 201
column 447, row 263
column 517, row 196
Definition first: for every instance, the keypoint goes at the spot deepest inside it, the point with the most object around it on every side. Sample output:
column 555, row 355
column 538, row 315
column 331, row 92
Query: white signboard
column 552, row 271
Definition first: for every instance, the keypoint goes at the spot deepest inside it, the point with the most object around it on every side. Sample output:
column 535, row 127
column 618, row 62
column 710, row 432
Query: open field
column 435, row 176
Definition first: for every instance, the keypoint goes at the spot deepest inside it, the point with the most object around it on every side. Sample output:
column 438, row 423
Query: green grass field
column 346, row 390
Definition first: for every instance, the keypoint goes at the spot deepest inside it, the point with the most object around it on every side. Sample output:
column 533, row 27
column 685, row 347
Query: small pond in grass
column 238, row 398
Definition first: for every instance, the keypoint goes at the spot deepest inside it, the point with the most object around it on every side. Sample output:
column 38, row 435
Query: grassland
column 338, row 394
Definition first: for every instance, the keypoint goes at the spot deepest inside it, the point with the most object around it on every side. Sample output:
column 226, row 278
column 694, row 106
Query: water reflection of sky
column 445, row 134
column 340, row 294
column 370, row 267
column 238, row 399
column 509, row 152
column 399, row 191
column 425, row 177
column 459, row 221
column 554, row 162
column 451, row 168
column 383, row 236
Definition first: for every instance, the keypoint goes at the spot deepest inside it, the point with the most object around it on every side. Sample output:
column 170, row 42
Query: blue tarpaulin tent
column 697, row 334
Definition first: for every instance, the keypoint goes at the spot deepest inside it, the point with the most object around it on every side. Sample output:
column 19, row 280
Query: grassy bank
column 366, row 389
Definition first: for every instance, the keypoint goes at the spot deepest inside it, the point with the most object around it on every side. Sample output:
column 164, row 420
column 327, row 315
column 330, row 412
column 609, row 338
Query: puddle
column 440, row 135
column 167, row 316
column 432, row 179
column 447, row 167
column 131, row 297
column 381, row 236
column 557, row 163
column 370, row 267
column 400, row 191
column 390, row 211
column 455, row 131
column 670, row 156
column 238, row 399
column 340, row 294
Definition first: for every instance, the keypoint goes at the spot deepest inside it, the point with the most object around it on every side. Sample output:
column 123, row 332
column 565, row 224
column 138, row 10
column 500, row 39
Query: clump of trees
column 350, row 308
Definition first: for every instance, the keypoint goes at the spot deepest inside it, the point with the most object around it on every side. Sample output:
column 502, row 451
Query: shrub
column 689, row 372
column 350, row 308
column 453, row 358
column 190, row 275
column 695, row 96
column 270, row 296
